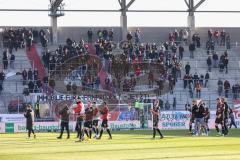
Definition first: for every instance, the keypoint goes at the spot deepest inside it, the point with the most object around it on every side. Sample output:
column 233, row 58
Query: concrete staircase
column 12, row 86
column 199, row 65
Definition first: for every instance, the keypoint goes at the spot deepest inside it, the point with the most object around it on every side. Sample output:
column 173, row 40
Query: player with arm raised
column 156, row 114
column 79, row 111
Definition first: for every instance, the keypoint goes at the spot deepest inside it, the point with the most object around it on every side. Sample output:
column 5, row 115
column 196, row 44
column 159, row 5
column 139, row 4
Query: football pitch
column 125, row 145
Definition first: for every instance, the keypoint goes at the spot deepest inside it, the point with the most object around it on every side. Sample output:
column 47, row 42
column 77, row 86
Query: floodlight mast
column 191, row 17
column 56, row 10
column 123, row 17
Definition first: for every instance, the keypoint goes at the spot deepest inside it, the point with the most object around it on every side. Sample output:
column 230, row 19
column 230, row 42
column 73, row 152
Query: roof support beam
column 199, row 4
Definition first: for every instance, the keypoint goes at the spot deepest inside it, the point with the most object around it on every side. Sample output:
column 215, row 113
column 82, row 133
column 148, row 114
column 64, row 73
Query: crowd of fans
column 160, row 62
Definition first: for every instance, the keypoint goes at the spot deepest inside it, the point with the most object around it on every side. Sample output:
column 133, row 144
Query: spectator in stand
column 174, row 103
column 206, row 79
column 220, row 87
column 90, row 35
column 12, row 60
column 35, row 74
column 192, row 49
column 29, row 40
column 209, row 63
column 30, row 74
column 45, row 84
column 195, row 79
column 198, row 89
column 223, row 38
column 181, row 50
column 191, row 88
column 2, row 77
column 5, row 59
column 30, row 86
column 196, row 40
column 110, row 35
column 38, row 85
column 185, row 36
column 129, row 36
column 187, row 68
column 137, row 36
column 167, row 105
column 210, row 33
column 228, row 41
column 216, row 36
column 225, row 63
column 24, row 76
column 215, row 60
column 150, row 79
column 227, row 87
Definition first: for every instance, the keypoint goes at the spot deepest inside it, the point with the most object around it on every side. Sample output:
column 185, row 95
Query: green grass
column 126, row 145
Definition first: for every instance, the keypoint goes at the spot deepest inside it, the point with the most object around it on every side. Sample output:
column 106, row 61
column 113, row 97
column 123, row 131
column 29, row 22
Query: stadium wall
column 149, row 34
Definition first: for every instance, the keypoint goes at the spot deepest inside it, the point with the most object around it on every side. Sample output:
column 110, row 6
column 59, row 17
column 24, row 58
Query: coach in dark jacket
column 64, row 121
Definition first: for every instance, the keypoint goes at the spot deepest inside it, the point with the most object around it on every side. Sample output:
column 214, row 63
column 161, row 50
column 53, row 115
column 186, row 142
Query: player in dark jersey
column 88, row 121
column 206, row 117
column 95, row 119
column 105, row 113
column 155, row 114
column 193, row 115
column 225, row 116
column 219, row 117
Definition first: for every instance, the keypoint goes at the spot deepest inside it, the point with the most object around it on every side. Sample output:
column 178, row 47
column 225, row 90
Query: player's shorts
column 219, row 120
column 88, row 124
column 104, row 123
column 206, row 120
column 95, row 122
column 192, row 120
column 155, row 123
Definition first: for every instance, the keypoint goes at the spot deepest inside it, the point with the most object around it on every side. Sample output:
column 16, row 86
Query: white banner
column 124, row 124
column 12, row 118
column 2, row 127
column 42, row 126
column 55, row 126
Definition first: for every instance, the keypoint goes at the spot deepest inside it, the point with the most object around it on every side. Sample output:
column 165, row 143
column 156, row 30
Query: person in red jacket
column 105, row 112
column 79, row 111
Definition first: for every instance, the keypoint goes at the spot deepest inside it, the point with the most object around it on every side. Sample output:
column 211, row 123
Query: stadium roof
column 133, row 18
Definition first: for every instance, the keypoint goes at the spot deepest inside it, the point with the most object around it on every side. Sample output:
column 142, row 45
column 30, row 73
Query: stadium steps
column 198, row 64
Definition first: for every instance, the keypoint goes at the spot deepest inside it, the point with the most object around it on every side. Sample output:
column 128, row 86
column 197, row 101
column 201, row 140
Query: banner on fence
column 2, row 127
column 55, row 126
column 12, row 118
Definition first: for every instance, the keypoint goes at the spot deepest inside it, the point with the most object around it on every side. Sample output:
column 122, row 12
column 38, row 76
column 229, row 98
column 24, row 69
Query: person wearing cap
column 64, row 113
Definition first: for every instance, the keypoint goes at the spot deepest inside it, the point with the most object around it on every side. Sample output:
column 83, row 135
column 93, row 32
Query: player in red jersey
column 79, row 111
column 219, row 116
column 105, row 113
